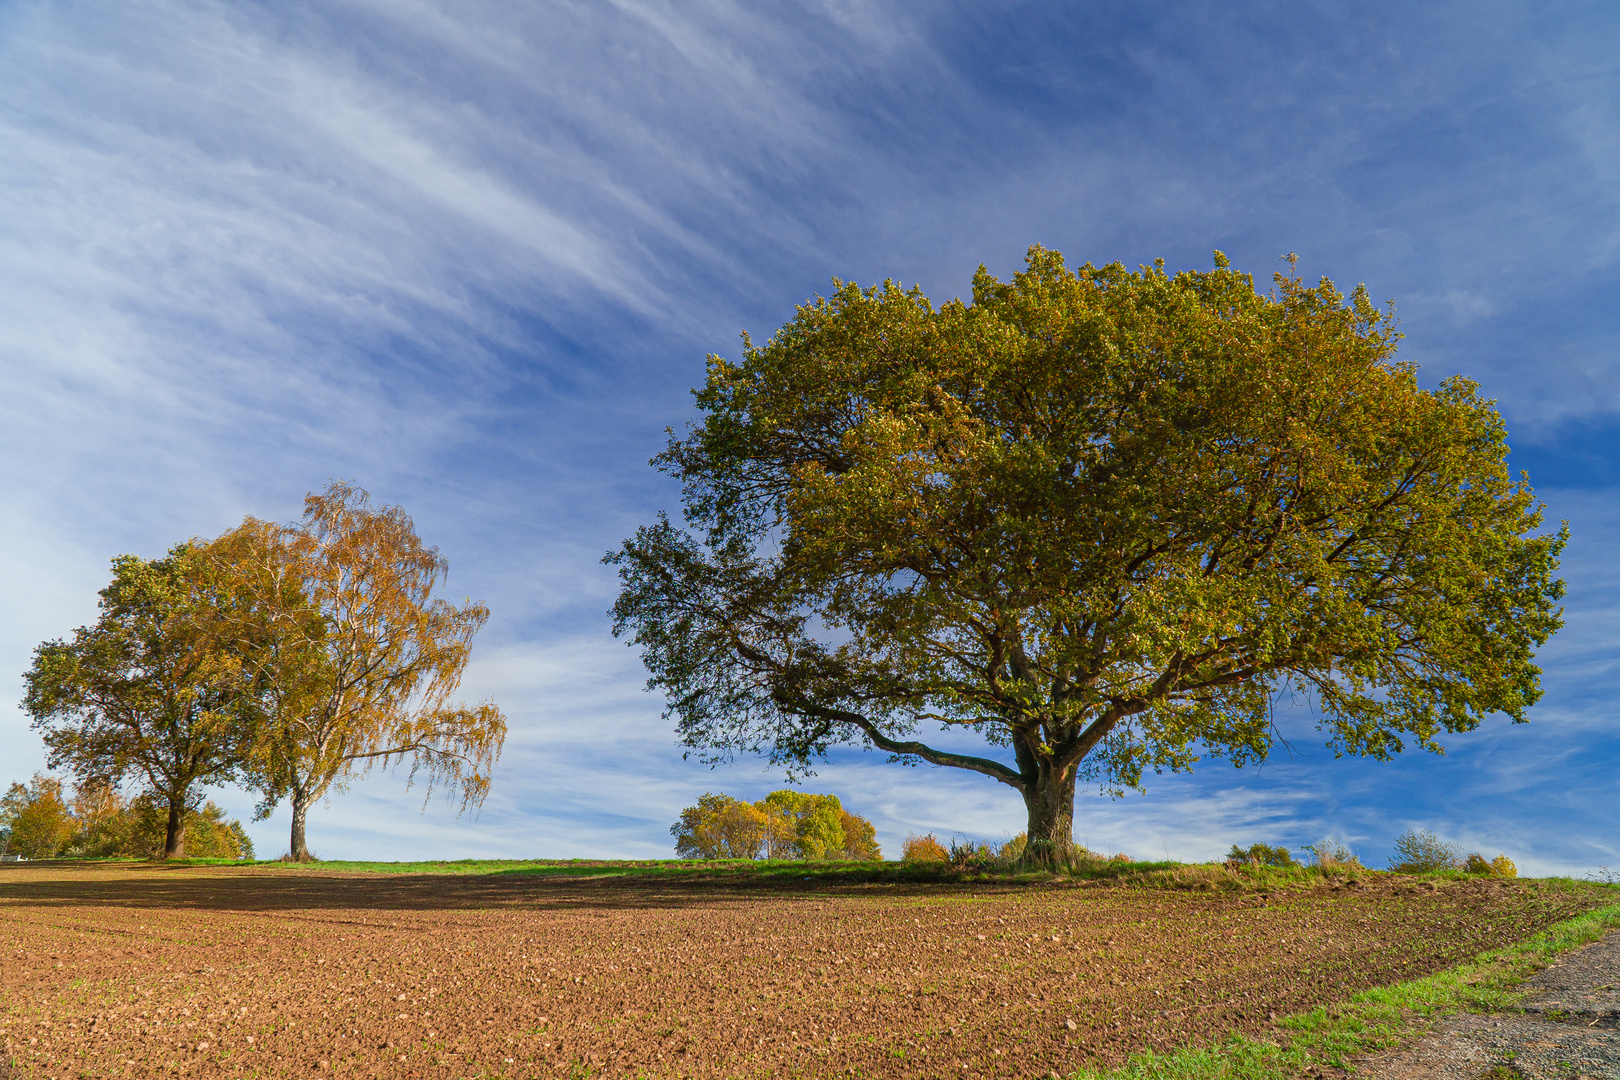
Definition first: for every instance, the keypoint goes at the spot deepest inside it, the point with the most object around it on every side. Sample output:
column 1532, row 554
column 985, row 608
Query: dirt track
column 1569, row 1029
column 226, row 972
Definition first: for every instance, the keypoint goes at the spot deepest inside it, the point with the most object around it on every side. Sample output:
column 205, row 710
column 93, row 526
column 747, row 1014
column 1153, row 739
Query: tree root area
column 223, row 972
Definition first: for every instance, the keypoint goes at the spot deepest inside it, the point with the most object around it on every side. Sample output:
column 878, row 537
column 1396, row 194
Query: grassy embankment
column 1199, row 877
column 1169, row 874
column 740, row 869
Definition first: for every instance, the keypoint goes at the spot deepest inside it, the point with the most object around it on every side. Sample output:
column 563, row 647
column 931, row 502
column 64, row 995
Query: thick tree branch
column 994, row 769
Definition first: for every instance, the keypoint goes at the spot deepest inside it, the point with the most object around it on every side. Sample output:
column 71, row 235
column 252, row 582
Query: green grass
column 829, row 872
column 1373, row 1019
column 1209, row 877
column 587, row 867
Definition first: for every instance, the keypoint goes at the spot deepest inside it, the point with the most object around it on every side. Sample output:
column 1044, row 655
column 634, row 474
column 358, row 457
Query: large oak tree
column 1098, row 517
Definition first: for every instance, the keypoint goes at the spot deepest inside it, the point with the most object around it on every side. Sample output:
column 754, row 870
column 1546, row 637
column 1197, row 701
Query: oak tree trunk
column 1049, row 799
column 174, row 835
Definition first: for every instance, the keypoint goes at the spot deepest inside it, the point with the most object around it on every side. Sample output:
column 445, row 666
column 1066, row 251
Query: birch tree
column 354, row 658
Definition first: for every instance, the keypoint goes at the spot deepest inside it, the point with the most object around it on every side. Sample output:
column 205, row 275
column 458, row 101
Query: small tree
column 719, row 827
column 1419, row 851
column 1099, row 518
column 781, row 837
column 860, row 838
column 147, row 691
column 352, row 657
column 38, row 819
column 784, row 825
column 816, row 821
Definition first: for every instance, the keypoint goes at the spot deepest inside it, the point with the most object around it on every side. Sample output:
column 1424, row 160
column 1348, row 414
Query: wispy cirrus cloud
column 471, row 256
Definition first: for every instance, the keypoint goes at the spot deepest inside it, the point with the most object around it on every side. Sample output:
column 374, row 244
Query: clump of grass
column 967, row 855
column 1207, row 878
column 1233, row 877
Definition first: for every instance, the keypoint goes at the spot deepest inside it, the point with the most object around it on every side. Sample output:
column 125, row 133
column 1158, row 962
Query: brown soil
column 223, row 971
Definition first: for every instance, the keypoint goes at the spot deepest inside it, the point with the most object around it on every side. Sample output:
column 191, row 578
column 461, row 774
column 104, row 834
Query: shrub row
column 1416, row 851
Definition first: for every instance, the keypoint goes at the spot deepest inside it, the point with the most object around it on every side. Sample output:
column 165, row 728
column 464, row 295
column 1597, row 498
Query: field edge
column 1372, row 1019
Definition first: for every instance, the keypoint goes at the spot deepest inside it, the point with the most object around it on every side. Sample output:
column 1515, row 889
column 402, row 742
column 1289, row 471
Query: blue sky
column 471, row 255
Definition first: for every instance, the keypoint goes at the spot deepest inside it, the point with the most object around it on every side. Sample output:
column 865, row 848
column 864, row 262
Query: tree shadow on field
column 63, row 883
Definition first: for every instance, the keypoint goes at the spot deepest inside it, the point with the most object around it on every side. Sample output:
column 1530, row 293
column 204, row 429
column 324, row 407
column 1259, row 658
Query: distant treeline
column 38, row 821
column 783, row 825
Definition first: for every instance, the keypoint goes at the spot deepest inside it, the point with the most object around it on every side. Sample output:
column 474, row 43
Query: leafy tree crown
column 1100, row 516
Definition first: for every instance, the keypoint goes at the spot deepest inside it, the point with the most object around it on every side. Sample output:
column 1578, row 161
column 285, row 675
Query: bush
column 1013, row 849
column 1501, row 866
column 1260, row 855
column 210, row 836
column 967, row 855
column 924, row 849
column 1419, row 851
column 1332, row 853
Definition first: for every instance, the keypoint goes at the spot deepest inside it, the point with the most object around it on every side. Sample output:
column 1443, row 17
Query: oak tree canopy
column 1098, row 518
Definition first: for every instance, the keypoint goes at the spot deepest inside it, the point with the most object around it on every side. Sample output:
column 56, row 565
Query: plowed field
column 224, row 972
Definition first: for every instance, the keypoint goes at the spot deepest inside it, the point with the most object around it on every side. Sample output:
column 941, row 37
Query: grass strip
column 1149, row 874
column 1373, row 1019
